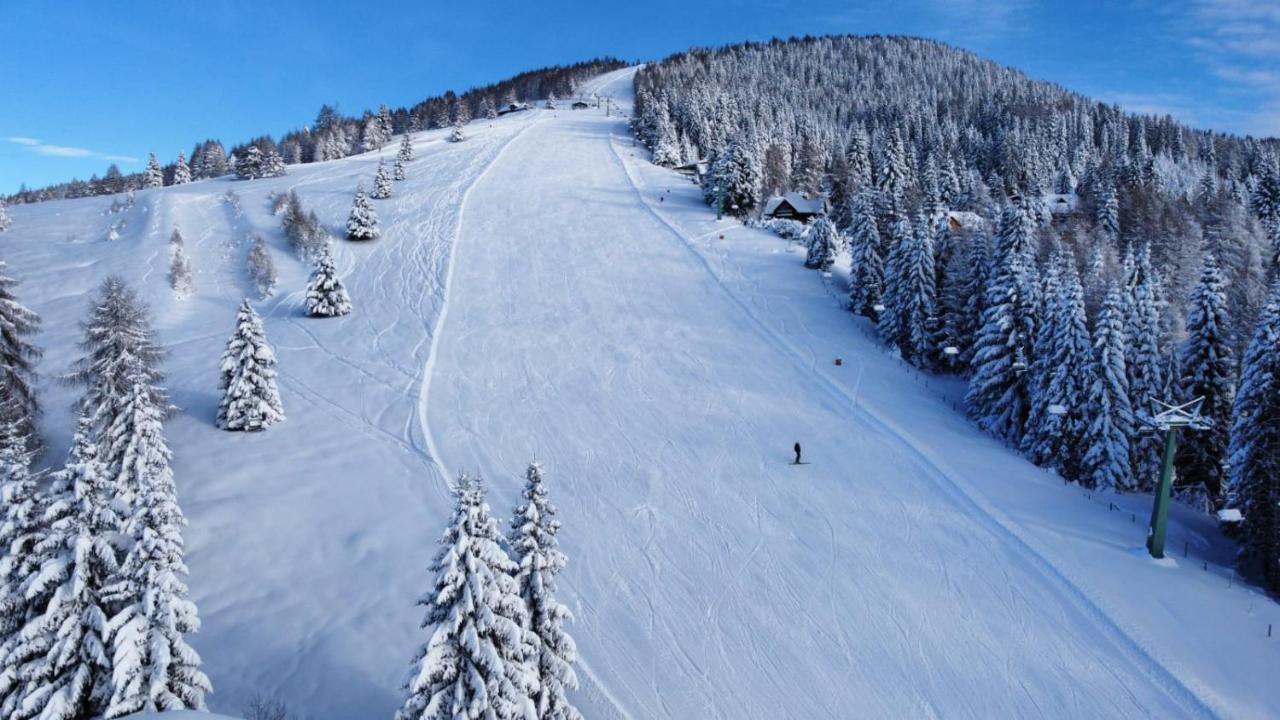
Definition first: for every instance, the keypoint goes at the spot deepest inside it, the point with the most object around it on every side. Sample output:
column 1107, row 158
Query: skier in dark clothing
column 797, row 448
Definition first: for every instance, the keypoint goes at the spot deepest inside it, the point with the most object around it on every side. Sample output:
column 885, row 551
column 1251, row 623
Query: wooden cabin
column 794, row 206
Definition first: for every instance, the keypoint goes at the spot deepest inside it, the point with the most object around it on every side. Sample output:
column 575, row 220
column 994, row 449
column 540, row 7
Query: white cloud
column 1239, row 41
column 42, row 148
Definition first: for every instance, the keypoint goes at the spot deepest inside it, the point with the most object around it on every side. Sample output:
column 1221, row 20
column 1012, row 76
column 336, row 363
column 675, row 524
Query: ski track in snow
column 530, row 298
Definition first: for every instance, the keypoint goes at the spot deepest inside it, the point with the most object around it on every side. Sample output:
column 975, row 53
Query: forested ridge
column 331, row 136
column 1075, row 262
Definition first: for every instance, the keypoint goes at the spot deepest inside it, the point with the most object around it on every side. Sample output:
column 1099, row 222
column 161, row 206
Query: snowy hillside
column 541, row 291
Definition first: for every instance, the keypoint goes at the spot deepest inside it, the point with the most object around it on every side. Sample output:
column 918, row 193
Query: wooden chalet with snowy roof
column 513, row 107
column 794, row 206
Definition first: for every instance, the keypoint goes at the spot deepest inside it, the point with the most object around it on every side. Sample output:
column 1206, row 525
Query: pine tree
column 405, row 153
column 20, row 533
column 261, row 269
column 61, row 652
column 1208, row 372
column 6, row 222
column 181, row 172
column 381, row 184
column 1254, row 449
column 539, row 559
column 823, row 244
column 155, row 670
column 249, row 163
column 250, row 399
column 999, row 392
column 180, row 277
column 326, row 297
column 120, row 352
column 19, row 402
column 737, row 174
column 960, row 299
column 895, row 173
column 1109, row 214
column 1106, row 463
column 362, row 224
column 918, row 300
column 666, row 145
column 1058, row 433
column 890, row 322
column 398, row 173
column 457, row 134
column 1145, row 365
column 273, row 165
column 866, row 276
column 153, row 176
column 476, row 664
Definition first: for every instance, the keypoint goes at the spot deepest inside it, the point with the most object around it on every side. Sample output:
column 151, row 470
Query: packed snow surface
column 540, row 291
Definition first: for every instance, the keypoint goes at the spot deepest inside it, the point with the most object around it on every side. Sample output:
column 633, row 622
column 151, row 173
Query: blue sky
column 88, row 83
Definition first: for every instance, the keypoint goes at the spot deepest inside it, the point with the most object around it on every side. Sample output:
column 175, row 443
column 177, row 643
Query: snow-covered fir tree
column 362, row 223
column 405, row 153
column 999, row 389
column 59, row 665
column 895, row 173
column 1106, row 463
column 1057, row 431
column 1254, row 451
column 961, row 298
column 890, row 321
column 180, row 277
column 260, row 268
column 666, row 146
column 824, row 243
column 21, row 531
column 381, row 184
column 398, row 173
column 326, row 297
column 181, row 172
column 1208, row 371
column 6, row 222
column 551, row 101
column 735, row 181
column 457, row 134
column 19, row 402
column 249, row 163
column 119, row 352
column 273, row 165
column 154, row 669
column 866, row 270
column 477, row 661
column 1145, row 365
column 537, row 555
column 917, row 310
column 250, row 399
column 153, row 176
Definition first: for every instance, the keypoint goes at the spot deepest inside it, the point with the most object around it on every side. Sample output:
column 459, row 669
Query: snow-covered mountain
column 542, row 291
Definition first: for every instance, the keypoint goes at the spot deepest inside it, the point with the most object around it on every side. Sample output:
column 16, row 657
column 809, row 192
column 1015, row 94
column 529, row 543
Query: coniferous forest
column 1074, row 262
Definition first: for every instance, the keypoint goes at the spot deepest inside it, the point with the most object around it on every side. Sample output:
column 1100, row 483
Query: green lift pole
column 1160, row 508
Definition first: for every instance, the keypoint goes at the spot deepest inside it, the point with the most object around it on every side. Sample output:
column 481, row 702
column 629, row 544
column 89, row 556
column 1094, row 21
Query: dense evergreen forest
column 331, row 136
column 1075, row 262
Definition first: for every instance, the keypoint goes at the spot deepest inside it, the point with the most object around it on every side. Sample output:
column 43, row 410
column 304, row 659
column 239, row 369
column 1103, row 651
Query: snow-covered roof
column 798, row 202
column 1062, row 203
column 965, row 220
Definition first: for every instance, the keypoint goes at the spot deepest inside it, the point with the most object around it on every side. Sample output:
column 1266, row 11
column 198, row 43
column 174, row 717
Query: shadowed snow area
column 531, row 297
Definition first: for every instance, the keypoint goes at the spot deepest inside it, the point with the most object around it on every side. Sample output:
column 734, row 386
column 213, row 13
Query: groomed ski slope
column 542, row 292
column 610, row 335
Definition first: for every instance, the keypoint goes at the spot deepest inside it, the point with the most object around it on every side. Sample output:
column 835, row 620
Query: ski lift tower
column 1170, row 419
